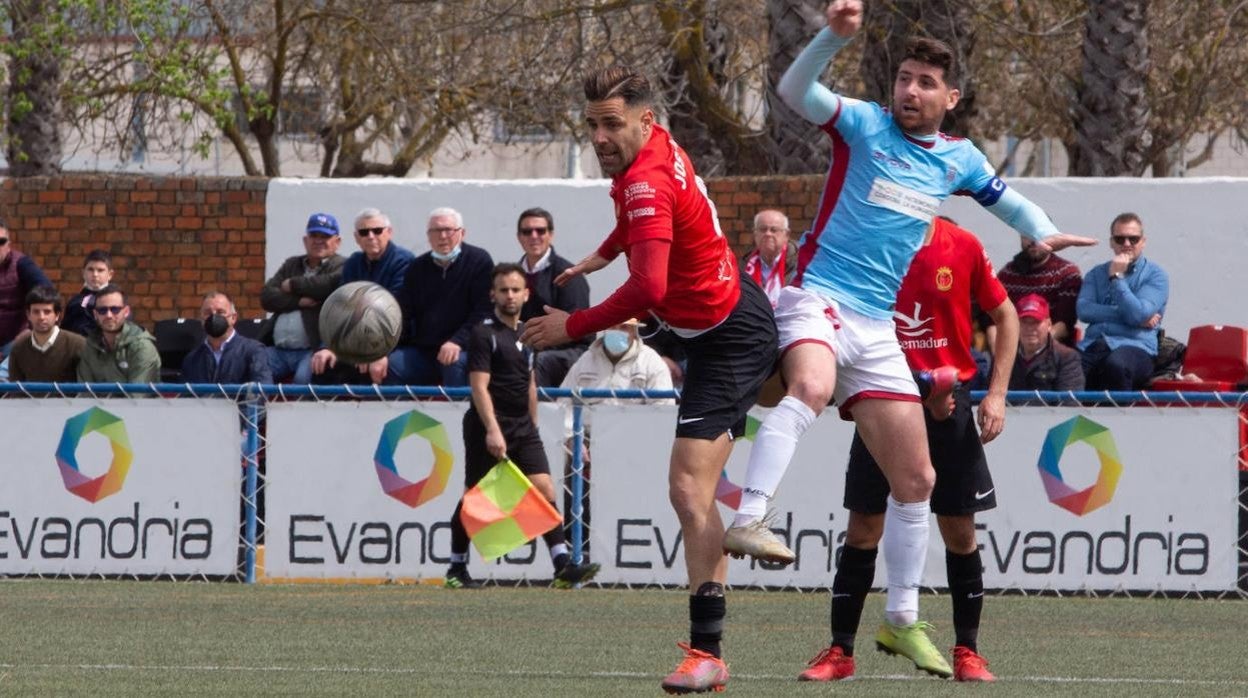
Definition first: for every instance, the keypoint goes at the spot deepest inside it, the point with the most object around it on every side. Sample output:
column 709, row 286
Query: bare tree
column 800, row 147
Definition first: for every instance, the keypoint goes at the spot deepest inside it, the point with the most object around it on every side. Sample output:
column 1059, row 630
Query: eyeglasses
column 525, row 232
column 109, row 309
column 444, row 231
column 1126, row 239
column 771, row 229
column 369, row 232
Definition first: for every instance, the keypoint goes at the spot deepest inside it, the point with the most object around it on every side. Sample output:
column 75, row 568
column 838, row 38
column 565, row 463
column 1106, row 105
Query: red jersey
column 933, row 312
column 660, row 198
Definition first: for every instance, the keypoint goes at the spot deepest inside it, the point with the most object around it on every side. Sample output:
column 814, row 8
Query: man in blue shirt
column 1122, row 302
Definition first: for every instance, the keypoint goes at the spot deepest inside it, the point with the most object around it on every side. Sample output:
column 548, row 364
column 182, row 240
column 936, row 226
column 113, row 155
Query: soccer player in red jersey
column 683, row 273
column 933, row 320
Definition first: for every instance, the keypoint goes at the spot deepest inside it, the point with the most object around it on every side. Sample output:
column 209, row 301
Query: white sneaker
column 756, row 540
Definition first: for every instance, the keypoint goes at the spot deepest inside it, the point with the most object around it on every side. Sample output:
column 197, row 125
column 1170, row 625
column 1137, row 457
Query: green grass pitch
column 163, row 638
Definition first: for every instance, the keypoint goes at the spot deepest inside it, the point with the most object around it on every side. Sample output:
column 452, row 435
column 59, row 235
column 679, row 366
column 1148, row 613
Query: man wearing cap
column 294, row 295
column 1042, row 363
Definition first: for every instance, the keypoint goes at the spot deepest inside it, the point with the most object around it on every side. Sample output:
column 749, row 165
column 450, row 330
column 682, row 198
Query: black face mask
column 216, row 326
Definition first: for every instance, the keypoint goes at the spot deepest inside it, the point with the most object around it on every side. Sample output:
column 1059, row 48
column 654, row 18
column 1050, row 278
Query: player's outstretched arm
column 800, row 87
column 1021, row 214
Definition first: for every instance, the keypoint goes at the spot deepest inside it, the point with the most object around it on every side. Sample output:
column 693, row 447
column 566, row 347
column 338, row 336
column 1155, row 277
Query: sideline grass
column 159, row 638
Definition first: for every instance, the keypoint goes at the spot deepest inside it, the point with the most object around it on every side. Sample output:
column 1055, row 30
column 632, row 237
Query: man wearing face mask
column 224, row 356
column 446, row 292
column 117, row 350
column 97, row 272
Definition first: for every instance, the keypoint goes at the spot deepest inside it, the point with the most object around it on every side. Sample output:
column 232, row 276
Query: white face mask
column 616, row 342
column 448, row 257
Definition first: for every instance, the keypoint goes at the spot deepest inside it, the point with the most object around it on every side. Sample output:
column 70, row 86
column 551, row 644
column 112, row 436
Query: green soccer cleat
column 572, row 576
column 911, row 641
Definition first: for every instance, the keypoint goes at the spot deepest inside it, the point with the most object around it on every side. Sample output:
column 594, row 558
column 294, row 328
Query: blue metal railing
column 250, row 398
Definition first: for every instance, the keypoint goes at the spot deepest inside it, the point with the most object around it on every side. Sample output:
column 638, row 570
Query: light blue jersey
column 883, row 189
column 882, row 192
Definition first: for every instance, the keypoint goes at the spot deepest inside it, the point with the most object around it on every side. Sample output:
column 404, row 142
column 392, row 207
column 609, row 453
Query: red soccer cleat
column 698, row 672
column 969, row 666
column 830, row 664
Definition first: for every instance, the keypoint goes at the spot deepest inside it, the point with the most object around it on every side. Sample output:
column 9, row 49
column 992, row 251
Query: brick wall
column 171, row 238
column 174, row 238
column 739, row 198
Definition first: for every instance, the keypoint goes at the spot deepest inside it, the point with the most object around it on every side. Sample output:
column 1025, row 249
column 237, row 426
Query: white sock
column 906, row 528
column 770, row 454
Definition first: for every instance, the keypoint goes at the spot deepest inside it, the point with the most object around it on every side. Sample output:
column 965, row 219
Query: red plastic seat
column 1218, row 354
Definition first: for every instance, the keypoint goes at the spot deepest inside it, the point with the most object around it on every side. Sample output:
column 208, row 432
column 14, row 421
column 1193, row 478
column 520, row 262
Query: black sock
column 966, row 586
column 854, row 573
column 554, row 536
column 459, row 534
column 707, row 609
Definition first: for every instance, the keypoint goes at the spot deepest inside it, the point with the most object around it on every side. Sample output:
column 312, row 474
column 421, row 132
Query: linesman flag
column 504, row 511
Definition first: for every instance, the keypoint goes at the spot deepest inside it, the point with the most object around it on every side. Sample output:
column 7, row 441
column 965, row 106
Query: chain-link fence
column 273, row 483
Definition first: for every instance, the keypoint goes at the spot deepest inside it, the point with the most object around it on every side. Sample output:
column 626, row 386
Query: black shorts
column 727, row 366
column 524, row 447
column 963, row 483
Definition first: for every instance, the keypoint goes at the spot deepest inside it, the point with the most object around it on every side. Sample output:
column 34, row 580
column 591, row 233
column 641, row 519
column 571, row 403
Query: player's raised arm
column 800, row 87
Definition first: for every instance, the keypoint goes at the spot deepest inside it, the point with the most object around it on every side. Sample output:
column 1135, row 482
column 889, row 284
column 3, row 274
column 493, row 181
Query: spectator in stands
column 117, row 350
column 618, row 360
column 1042, row 362
column 446, row 293
column 97, row 272
column 1122, row 301
column 668, row 346
column 224, row 356
column 294, row 295
column 48, row 354
column 18, row 275
column 381, row 261
column 1036, row 270
column 773, row 261
column 536, row 231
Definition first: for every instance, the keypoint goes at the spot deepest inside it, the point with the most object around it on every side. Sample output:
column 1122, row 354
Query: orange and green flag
column 504, row 511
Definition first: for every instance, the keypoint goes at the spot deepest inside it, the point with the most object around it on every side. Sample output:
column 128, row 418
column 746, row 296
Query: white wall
column 1196, row 228
column 1196, row 231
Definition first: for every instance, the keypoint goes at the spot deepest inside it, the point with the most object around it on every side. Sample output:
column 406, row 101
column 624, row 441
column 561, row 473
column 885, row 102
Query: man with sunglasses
column 117, row 350
column 18, row 276
column 536, row 233
column 1122, row 301
column 381, row 261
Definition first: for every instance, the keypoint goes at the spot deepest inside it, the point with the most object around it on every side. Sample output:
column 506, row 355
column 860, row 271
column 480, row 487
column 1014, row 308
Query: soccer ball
column 361, row 322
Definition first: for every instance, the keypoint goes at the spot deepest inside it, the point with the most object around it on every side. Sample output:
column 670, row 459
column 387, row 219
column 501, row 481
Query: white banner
column 143, row 486
column 1134, row 498
column 329, row 514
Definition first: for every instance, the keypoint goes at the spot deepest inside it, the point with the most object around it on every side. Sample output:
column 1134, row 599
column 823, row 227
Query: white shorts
column 869, row 362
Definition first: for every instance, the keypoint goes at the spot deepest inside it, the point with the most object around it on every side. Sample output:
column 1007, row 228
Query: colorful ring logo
column 727, row 492
column 1098, row 437
column 414, row 423
column 112, row 428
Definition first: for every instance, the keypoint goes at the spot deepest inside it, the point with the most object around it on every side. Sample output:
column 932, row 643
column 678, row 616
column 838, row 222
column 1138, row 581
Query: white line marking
column 519, row 673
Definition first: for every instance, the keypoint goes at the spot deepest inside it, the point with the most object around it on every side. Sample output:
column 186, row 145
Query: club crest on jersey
column 950, row 175
column 944, row 279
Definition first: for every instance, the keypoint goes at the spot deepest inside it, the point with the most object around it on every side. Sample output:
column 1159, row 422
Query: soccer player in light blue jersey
column 890, row 171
